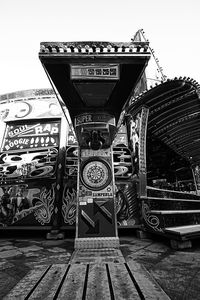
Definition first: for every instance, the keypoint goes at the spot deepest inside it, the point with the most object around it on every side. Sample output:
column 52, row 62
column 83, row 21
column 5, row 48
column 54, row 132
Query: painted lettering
column 47, row 127
column 38, row 129
column 83, row 119
column 54, row 130
column 16, row 131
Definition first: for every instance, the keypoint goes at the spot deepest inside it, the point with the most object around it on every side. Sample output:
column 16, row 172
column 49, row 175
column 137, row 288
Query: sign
column 31, row 135
column 95, row 72
column 94, row 118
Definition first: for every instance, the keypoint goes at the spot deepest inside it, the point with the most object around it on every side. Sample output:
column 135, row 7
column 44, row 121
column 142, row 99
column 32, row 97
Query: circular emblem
column 96, row 174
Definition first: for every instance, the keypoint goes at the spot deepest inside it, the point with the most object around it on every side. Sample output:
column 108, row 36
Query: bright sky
column 172, row 27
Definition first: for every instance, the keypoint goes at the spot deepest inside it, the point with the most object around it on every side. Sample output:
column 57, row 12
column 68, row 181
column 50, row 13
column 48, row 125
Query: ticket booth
column 95, row 80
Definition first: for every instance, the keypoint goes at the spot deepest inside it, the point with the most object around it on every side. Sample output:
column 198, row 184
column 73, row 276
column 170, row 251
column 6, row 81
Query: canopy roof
column 66, row 64
column 174, row 115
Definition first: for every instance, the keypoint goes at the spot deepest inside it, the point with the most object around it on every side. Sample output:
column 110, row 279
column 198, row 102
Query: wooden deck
column 100, row 274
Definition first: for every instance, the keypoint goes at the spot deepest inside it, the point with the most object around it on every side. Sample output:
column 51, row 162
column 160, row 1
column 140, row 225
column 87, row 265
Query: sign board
column 108, row 72
column 94, row 118
column 31, row 135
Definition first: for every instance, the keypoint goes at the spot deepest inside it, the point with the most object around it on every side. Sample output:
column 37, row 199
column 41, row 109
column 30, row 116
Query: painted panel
column 28, row 159
column 31, row 135
column 26, row 203
column 196, row 173
column 125, row 189
column 96, row 213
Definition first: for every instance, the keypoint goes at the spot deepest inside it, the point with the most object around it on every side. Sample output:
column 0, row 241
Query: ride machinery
column 94, row 80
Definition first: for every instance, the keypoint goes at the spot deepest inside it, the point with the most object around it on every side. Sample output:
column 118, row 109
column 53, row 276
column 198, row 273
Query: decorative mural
column 125, row 190
column 26, row 204
column 20, row 158
column 29, row 141
column 126, row 204
column 69, row 204
column 69, row 198
column 18, row 166
column 152, row 221
column 28, row 158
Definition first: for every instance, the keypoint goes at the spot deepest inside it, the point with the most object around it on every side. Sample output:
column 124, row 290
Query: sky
column 171, row 26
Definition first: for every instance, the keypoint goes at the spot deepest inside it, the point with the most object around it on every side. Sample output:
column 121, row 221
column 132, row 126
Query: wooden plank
column 27, row 284
column 149, row 288
column 47, row 288
column 97, row 286
column 123, row 286
column 72, row 288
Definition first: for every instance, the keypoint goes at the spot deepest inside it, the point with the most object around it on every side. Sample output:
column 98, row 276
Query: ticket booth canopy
column 94, row 76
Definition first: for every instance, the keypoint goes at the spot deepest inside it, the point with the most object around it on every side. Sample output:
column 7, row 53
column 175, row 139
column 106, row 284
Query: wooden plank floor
column 86, row 280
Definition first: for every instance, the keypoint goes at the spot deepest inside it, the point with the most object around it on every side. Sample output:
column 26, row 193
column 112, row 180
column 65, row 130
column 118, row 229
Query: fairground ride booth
column 94, row 80
column 103, row 85
column 128, row 158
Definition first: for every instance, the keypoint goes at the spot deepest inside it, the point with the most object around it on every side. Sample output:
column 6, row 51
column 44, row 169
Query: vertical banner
column 137, row 128
column 196, row 174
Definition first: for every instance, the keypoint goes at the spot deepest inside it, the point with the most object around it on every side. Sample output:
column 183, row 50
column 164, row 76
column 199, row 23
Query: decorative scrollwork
column 96, row 174
column 69, row 206
column 150, row 219
column 43, row 214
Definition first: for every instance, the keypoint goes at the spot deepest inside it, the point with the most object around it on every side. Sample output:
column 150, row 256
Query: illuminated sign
column 95, row 72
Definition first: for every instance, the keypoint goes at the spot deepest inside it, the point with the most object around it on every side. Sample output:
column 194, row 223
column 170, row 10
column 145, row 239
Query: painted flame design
column 69, row 206
column 44, row 213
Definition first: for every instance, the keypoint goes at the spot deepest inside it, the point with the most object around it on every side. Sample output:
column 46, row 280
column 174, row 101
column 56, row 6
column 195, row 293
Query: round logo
column 96, row 174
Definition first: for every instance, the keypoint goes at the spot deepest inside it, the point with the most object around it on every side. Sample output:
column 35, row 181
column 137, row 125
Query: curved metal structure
column 174, row 115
